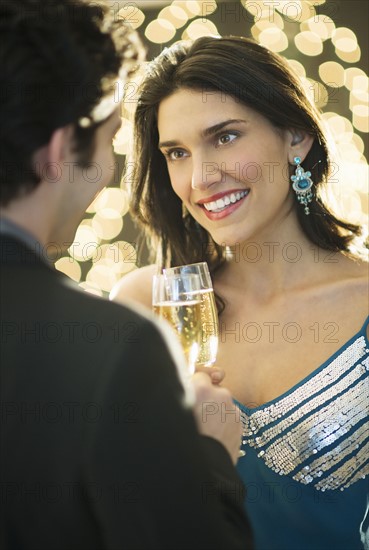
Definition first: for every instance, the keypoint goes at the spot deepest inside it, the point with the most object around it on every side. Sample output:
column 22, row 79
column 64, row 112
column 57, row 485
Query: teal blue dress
column 306, row 466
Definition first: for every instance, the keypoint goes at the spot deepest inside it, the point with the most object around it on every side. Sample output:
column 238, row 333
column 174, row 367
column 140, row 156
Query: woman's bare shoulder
column 136, row 285
column 357, row 269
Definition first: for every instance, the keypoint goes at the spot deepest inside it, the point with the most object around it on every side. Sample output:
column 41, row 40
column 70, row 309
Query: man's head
column 59, row 59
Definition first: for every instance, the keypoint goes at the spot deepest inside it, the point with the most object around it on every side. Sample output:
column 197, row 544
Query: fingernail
column 216, row 376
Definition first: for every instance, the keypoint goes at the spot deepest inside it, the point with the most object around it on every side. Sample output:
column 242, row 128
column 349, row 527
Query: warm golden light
column 305, row 11
column 338, row 125
column 359, row 143
column 120, row 257
column 322, row 25
column 274, row 39
column 320, row 95
column 361, row 110
column 111, row 198
column 70, row 267
column 255, row 7
column 309, row 43
column 85, row 243
column 291, row 10
column 123, row 137
column 346, row 45
column 332, row 73
column 193, row 7
column 160, row 31
column 345, row 36
column 208, row 7
column 351, row 75
column 349, row 57
column 358, row 97
column 107, row 228
column 175, row 15
column 198, row 28
column 132, row 15
column 297, row 67
column 352, row 199
column 102, row 277
column 360, row 82
column 271, row 19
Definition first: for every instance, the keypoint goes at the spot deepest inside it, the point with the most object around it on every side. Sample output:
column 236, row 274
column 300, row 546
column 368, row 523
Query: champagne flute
column 208, row 310
column 184, row 296
column 175, row 298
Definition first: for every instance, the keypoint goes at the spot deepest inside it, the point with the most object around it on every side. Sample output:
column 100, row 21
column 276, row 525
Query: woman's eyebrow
column 207, row 132
column 171, row 143
column 216, row 127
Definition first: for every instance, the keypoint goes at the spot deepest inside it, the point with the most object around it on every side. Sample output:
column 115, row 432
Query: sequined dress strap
column 318, row 432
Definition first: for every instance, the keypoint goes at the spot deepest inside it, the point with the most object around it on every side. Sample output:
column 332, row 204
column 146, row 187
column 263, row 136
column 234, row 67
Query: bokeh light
column 85, row 243
column 309, row 43
column 332, row 73
column 322, row 25
column 131, row 14
column 198, row 28
column 160, row 31
column 274, row 39
column 70, row 267
column 175, row 15
column 108, row 224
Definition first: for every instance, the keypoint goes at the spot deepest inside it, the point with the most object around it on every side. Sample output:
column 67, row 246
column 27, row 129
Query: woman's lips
column 224, row 205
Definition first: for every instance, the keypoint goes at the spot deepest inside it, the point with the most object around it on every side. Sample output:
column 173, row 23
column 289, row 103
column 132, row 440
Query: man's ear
column 49, row 159
column 300, row 143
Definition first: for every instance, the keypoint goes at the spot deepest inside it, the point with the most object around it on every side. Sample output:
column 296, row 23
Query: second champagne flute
column 208, row 309
column 175, row 299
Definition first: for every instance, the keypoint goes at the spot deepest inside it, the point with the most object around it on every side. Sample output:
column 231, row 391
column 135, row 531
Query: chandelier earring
column 302, row 185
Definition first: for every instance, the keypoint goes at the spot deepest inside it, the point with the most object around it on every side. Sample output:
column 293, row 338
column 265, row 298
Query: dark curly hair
column 55, row 57
column 261, row 80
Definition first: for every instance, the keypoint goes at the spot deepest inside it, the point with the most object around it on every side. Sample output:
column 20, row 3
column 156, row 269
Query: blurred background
column 327, row 43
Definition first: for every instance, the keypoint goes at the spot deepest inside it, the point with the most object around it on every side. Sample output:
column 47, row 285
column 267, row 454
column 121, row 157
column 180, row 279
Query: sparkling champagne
column 186, row 319
column 209, row 328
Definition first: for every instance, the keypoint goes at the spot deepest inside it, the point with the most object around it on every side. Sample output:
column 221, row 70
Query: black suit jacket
column 98, row 449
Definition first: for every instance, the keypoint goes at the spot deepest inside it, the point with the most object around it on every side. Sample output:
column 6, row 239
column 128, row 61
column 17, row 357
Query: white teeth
column 211, row 205
column 220, row 204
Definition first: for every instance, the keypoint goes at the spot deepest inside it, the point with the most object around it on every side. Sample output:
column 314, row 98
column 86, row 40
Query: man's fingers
column 216, row 374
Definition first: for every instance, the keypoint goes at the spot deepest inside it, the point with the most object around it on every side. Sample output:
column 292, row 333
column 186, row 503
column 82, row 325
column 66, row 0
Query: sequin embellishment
column 319, row 433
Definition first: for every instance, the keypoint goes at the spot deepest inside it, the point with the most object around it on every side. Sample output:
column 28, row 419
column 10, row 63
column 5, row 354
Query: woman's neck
column 275, row 263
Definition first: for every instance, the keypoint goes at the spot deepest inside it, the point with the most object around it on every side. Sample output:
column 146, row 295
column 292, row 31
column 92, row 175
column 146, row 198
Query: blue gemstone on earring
column 303, row 184
column 297, row 160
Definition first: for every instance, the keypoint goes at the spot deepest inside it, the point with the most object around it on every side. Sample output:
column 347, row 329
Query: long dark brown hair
column 261, row 80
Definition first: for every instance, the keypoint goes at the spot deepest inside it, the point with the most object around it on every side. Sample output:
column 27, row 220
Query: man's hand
column 216, row 414
column 216, row 374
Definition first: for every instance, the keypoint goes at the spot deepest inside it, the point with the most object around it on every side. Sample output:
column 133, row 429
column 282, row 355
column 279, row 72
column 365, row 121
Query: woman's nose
column 205, row 174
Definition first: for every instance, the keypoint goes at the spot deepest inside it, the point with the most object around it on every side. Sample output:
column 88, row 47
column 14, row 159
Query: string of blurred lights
column 99, row 256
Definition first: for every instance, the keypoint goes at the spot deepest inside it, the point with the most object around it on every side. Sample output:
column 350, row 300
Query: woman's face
column 227, row 163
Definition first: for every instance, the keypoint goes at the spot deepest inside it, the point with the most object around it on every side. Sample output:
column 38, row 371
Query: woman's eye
column 175, row 154
column 224, row 139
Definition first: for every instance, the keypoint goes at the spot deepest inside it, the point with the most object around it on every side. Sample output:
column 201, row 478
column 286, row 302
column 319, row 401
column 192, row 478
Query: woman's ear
column 300, row 143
